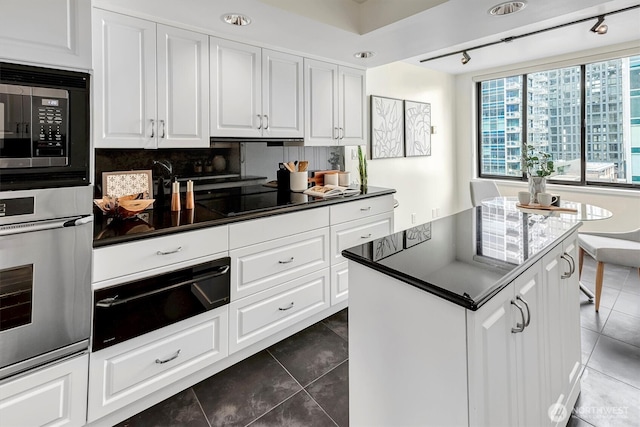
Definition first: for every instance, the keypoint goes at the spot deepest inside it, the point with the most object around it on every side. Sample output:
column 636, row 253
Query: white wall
column 422, row 183
column 625, row 204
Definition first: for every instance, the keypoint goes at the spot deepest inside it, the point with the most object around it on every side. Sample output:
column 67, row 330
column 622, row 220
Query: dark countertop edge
column 238, row 218
column 463, row 301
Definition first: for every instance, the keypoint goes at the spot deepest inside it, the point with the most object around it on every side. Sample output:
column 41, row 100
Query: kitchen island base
column 417, row 359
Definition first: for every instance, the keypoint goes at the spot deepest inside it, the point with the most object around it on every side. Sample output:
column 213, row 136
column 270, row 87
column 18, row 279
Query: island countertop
column 468, row 257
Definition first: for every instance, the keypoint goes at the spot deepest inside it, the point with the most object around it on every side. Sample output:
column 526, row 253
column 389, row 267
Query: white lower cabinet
column 54, row 395
column 259, row 315
column 353, row 233
column 136, row 368
column 339, row 282
column 506, row 356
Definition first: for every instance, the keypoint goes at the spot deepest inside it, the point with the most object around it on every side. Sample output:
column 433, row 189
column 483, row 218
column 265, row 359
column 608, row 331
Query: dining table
column 567, row 210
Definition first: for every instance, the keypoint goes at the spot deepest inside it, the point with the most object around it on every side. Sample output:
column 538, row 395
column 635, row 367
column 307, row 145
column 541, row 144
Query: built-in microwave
column 44, row 127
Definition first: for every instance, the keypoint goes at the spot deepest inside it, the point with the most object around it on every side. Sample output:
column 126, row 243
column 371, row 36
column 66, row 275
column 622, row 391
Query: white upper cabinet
column 48, row 32
column 254, row 92
column 334, row 104
column 151, row 84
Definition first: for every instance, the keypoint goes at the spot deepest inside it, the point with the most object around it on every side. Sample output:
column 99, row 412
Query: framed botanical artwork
column 415, row 235
column 387, row 128
column 118, row 184
column 417, row 125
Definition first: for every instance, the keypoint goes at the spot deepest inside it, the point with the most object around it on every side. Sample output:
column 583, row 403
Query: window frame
column 525, row 128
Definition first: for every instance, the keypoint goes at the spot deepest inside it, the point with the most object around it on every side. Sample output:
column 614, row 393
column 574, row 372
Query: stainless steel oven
column 44, row 127
column 134, row 308
column 45, row 275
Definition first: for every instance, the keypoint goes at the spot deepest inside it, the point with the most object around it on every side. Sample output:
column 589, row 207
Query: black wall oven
column 44, row 127
column 131, row 309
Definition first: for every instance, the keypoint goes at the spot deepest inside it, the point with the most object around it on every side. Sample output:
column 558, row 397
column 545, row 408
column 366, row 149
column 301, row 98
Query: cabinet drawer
column 127, row 258
column 261, row 315
column 53, row 395
column 247, row 233
column 349, row 234
column 259, row 267
column 136, row 368
column 349, row 211
column 339, row 282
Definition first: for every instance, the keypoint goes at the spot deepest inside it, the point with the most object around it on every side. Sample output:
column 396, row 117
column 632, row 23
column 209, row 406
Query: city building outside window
column 546, row 109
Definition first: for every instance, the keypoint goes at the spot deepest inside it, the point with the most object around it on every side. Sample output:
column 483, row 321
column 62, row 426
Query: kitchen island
column 471, row 319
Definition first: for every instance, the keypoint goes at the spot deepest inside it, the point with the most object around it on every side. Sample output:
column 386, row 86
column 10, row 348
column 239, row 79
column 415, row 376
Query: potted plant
column 538, row 165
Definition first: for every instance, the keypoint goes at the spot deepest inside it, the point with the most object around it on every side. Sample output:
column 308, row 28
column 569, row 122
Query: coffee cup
column 524, row 197
column 546, row 199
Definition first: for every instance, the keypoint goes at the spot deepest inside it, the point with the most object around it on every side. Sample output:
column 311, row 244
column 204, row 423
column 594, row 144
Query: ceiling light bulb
column 364, row 55
column 600, row 27
column 465, row 57
column 236, row 19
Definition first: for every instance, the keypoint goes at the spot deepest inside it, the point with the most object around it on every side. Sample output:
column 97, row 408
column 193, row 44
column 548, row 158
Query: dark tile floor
column 303, row 380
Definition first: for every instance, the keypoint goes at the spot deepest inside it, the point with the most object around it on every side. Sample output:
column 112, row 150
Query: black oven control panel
column 16, row 206
column 49, row 132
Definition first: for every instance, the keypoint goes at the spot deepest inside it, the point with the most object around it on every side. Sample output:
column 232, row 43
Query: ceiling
column 403, row 30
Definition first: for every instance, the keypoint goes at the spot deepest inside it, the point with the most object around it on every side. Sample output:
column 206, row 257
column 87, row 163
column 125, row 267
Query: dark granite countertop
column 212, row 208
column 468, row 257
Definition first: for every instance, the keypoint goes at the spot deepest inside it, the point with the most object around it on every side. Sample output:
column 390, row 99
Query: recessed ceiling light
column 236, row 19
column 507, row 7
column 364, row 55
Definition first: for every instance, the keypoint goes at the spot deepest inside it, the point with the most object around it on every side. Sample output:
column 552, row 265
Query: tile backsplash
column 246, row 158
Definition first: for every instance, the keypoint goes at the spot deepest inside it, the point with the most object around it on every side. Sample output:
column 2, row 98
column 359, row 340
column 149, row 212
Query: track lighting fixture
column 465, row 57
column 600, row 27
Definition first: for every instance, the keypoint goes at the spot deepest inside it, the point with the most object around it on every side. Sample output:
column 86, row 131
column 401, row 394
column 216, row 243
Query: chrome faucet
column 165, row 164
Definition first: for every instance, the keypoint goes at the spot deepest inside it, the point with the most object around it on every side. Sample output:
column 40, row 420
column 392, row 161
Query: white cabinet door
column 53, row 395
column 124, row 81
column 492, row 362
column 529, row 345
column 236, row 79
column 352, row 108
column 282, row 77
column 321, row 103
column 183, row 88
column 49, row 32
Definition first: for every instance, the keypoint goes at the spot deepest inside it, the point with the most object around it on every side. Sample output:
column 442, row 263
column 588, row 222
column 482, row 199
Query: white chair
column 616, row 248
column 481, row 190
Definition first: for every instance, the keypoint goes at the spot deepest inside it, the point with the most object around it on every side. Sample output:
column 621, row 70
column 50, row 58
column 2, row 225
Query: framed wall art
column 387, row 128
column 417, row 124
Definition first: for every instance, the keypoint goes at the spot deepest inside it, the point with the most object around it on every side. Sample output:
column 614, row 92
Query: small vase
column 537, row 184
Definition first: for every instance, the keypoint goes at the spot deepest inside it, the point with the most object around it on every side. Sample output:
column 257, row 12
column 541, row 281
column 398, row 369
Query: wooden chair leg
column 599, row 277
column 580, row 261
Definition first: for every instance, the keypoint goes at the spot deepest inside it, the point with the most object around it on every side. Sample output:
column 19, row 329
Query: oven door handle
column 8, row 230
column 114, row 301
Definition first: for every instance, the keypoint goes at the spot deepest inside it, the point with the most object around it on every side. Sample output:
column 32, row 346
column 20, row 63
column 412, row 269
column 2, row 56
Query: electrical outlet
column 435, row 212
column 354, row 156
column 413, row 218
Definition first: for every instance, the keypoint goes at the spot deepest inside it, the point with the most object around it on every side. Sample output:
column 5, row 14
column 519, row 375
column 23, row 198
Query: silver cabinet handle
column 267, row 119
column 289, row 307
column 153, row 128
column 163, row 129
column 526, row 304
column 567, row 274
column 287, row 261
column 175, row 356
column 341, row 134
column 170, row 252
column 520, row 326
column 368, row 208
column 260, row 118
column 573, row 264
column 335, row 133
column 366, row 237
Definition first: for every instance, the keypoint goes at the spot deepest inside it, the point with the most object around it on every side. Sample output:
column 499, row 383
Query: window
column 604, row 150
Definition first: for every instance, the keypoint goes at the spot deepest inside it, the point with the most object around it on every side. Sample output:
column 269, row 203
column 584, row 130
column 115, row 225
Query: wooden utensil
column 292, row 166
column 288, row 167
column 303, row 165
